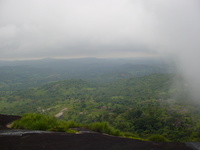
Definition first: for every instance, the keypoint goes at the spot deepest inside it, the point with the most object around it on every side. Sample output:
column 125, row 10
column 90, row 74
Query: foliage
column 17, row 75
column 104, row 127
column 157, row 138
column 42, row 122
column 64, row 126
column 46, row 123
column 35, row 122
column 138, row 107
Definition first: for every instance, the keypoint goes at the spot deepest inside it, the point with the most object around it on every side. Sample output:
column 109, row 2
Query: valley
column 143, row 99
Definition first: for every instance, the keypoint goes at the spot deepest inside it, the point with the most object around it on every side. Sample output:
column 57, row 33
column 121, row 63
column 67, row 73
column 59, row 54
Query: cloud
column 178, row 35
column 106, row 28
column 69, row 27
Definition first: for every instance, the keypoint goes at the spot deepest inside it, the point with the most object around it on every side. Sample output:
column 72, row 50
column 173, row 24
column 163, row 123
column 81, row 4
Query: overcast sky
column 97, row 28
column 103, row 28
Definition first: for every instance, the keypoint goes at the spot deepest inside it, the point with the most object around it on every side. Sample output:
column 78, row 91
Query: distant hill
column 33, row 73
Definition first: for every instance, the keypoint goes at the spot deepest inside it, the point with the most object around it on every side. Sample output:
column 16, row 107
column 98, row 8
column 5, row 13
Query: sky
column 93, row 28
column 33, row 29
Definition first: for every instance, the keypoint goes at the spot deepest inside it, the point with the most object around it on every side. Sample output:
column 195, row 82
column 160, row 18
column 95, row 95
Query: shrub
column 158, row 138
column 45, row 123
column 104, row 127
column 63, row 126
column 35, row 122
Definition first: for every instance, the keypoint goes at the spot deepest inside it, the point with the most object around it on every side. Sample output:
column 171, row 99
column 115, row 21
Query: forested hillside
column 15, row 75
column 141, row 104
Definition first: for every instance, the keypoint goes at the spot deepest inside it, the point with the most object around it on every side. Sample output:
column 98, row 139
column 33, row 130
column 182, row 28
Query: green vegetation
column 42, row 122
column 35, row 122
column 138, row 107
column 134, row 101
column 104, row 127
column 158, row 138
column 18, row 75
column 48, row 123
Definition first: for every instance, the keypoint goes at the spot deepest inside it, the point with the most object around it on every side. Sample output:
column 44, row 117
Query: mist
column 181, row 38
column 113, row 28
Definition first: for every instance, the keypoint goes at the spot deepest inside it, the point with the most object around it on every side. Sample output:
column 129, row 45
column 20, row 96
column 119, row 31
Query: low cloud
column 47, row 28
column 76, row 28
